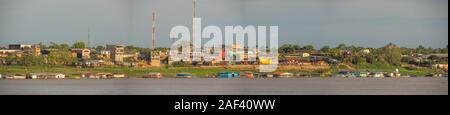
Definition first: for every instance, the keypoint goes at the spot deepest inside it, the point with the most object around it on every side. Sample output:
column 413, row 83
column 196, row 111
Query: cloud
column 319, row 22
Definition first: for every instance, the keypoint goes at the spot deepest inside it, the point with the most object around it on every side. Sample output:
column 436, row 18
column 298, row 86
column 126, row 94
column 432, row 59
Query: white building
column 46, row 76
column 19, row 46
column 5, row 52
column 366, row 51
column 305, row 55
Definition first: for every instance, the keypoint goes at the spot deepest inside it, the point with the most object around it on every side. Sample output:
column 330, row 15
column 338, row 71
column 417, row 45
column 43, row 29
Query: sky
column 369, row 23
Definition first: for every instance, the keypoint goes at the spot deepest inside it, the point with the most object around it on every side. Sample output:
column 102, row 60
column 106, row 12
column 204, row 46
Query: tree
column 407, row 51
column 392, row 54
column 372, row 59
column 342, row 47
column 61, row 57
column 421, row 49
column 163, row 49
column 29, row 60
column 358, row 60
column 309, row 47
column 64, row 47
column 296, row 47
column 100, row 48
column 336, row 53
column 54, row 45
column 325, row 49
column 11, row 60
column 132, row 49
column 42, row 46
column 58, row 46
column 444, row 50
column 79, row 45
column 286, row 48
column 352, row 48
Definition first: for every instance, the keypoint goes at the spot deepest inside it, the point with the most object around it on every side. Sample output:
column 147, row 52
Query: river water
column 204, row 86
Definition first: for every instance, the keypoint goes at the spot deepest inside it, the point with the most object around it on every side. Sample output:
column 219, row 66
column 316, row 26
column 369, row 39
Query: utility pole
column 154, row 31
column 193, row 32
column 89, row 37
column 155, row 55
column 195, row 7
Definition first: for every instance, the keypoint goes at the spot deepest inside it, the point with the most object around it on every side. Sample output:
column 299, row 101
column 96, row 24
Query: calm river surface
column 203, row 86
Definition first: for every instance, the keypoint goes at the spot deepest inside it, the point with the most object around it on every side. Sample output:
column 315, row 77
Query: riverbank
column 196, row 71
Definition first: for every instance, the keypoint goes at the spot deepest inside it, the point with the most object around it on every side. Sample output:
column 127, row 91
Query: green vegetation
column 135, row 72
column 71, row 76
column 79, row 45
column 288, row 48
column 197, row 71
column 386, row 59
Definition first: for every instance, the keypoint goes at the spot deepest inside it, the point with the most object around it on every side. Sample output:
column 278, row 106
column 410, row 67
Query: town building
column 81, row 53
column 35, row 49
column 155, row 59
column 104, row 55
column 27, row 49
column 7, row 52
column 46, row 52
column 19, row 46
column 117, row 52
column 440, row 66
column 133, row 56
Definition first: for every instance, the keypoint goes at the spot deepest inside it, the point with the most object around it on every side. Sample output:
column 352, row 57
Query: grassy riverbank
column 167, row 71
column 198, row 71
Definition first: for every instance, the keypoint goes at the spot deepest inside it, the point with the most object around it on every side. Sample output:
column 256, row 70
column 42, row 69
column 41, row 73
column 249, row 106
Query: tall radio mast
column 193, row 30
column 89, row 37
column 154, row 31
